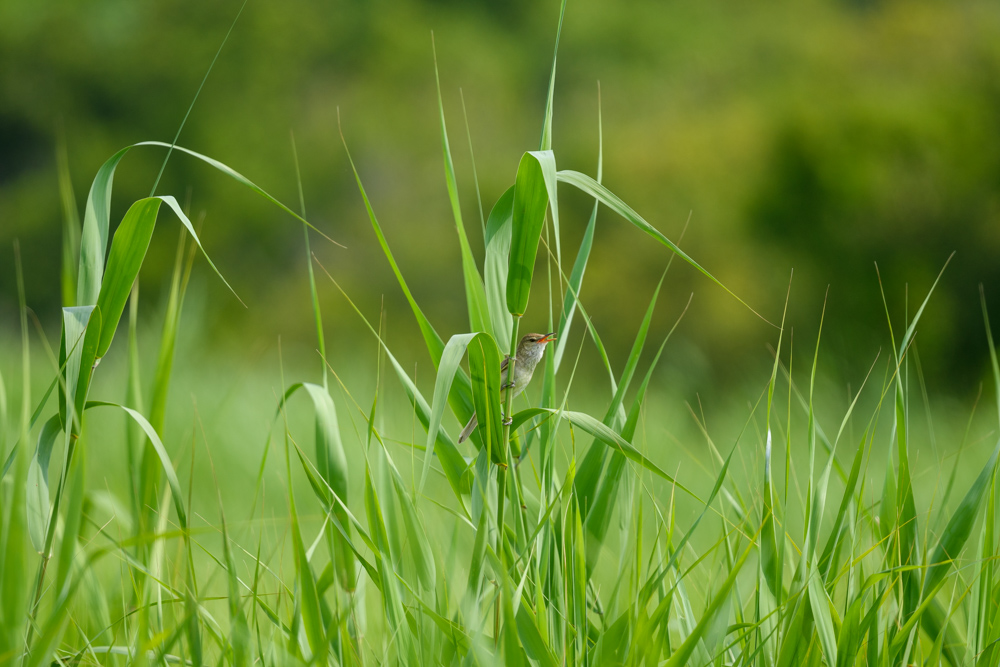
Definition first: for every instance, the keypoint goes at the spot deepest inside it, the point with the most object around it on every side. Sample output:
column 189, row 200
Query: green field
column 167, row 498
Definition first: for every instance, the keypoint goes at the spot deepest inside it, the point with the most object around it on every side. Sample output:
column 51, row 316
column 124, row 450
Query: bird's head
column 532, row 346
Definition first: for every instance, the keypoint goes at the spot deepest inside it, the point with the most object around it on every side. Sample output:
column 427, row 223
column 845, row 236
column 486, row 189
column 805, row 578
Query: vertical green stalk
column 502, row 469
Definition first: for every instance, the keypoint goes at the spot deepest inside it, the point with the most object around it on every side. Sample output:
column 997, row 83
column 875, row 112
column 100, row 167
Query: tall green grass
column 560, row 537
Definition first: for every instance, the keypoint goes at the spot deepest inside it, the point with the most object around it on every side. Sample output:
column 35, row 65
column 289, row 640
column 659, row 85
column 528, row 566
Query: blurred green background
column 819, row 136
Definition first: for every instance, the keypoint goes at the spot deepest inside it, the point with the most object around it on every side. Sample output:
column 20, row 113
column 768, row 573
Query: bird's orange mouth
column 548, row 338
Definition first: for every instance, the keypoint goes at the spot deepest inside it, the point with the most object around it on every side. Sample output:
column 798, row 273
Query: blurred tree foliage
column 825, row 136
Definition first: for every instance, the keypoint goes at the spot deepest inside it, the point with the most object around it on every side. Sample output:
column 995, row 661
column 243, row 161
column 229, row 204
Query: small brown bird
column 529, row 353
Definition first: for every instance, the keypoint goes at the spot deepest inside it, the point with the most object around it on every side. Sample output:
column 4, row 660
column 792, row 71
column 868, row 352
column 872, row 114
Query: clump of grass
column 534, row 571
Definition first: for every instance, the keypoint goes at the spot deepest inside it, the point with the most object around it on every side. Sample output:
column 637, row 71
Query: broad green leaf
column 851, row 633
column 531, row 638
column 94, row 237
column 128, row 249
column 37, row 501
column 531, row 198
column 484, row 370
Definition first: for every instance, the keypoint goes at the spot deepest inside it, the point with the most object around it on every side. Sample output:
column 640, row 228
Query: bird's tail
column 469, row 428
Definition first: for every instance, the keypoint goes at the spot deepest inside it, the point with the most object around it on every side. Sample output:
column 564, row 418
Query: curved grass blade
column 240, row 178
column 128, row 250
column 616, row 442
column 331, row 463
column 452, row 461
column 168, row 468
column 94, row 237
column 594, row 189
column 447, row 371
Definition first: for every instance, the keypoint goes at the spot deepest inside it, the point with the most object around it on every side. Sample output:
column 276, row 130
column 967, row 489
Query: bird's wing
column 504, row 364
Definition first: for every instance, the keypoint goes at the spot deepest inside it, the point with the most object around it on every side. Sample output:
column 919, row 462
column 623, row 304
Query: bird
column 529, row 353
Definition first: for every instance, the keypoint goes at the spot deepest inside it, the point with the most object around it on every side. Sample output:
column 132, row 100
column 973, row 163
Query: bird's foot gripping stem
column 506, row 385
column 508, row 421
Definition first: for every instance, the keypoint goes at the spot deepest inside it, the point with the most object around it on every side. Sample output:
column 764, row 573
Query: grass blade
column 532, row 194
column 475, row 295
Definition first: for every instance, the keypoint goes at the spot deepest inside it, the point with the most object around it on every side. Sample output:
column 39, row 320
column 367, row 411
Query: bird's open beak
column 549, row 337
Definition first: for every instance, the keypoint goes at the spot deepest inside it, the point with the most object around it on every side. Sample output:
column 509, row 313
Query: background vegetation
column 819, row 136
column 823, row 149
